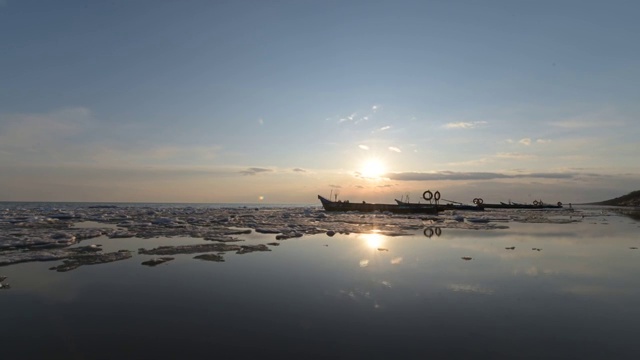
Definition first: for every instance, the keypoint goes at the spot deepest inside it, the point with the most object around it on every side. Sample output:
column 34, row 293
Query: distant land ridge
column 631, row 199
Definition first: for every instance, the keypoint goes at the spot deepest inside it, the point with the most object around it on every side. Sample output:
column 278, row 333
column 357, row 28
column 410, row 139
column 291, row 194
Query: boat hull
column 329, row 205
column 520, row 206
column 443, row 207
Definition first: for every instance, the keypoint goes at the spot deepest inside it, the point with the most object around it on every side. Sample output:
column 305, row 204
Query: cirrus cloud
column 255, row 170
column 452, row 175
column 464, row 125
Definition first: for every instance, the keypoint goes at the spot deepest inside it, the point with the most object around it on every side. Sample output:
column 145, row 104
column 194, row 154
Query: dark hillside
column 631, row 199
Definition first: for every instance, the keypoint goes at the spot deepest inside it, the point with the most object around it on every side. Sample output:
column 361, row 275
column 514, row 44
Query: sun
column 372, row 169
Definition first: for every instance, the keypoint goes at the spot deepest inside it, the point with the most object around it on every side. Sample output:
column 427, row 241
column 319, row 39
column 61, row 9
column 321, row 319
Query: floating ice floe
column 75, row 262
column 72, row 257
column 157, row 261
column 44, row 233
column 210, row 257
column 19, row 256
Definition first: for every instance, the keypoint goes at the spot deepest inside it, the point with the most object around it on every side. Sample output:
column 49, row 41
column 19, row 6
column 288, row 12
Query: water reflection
column 577, row 298
column 373, row 240
column 431, row 231
column 476, row 289
column 632, row 213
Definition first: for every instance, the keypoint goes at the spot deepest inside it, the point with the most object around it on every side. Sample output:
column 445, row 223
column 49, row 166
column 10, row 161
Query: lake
column 554, row 286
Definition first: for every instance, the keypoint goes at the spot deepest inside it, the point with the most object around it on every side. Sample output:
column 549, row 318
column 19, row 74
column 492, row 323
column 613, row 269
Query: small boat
column 329, row 205
column 522, row 206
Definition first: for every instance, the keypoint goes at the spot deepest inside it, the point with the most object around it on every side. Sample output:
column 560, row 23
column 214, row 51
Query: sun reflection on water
column 373, row 240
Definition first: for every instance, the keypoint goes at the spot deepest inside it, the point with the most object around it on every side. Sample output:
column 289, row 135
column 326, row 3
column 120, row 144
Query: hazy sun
column 372, row 169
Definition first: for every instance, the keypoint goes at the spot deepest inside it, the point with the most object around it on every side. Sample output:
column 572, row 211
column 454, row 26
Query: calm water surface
column 347, row 296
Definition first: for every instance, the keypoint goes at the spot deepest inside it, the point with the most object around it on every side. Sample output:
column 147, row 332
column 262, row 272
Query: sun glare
column 372, row 169
column 373, row 240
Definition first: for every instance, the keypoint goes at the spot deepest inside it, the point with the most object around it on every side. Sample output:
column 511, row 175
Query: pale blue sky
column 236, row 101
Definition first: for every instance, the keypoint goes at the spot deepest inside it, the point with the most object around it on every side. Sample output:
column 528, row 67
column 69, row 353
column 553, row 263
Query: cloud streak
column 514, row 156
column 348, row 118
column 255, row 170
column 451, row 175
column 464, row 125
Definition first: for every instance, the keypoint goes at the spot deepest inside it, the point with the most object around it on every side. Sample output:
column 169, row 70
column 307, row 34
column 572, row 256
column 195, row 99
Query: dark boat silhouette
column 447, row 206
column 329, row 205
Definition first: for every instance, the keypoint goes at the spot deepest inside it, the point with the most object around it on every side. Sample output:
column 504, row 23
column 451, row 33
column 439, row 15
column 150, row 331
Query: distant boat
column 329, row 205
column 448, row 206
column 535, row 205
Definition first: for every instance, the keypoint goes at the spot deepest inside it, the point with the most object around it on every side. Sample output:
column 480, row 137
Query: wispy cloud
column 384, row 128
column 393, row 148
column 299, row 170
column 515, row 156
column 528, row 141
column 261, row 121
column 336, row 186
column 363, row 147
column 451, row 175
column 356, row 118
column 525, row 141
column 474, row 162
column 348, row 118
column 255, row 170
column 464, row 125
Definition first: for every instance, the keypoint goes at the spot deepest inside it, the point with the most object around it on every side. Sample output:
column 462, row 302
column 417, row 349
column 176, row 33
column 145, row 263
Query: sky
column 279, row 101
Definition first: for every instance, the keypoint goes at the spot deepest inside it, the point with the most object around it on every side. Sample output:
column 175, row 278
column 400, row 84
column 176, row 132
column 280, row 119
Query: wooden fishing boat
column 447, row 206
column 511, row 205
column 329, row 205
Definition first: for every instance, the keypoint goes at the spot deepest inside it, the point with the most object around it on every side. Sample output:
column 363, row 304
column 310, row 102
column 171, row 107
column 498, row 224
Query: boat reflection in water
column 431, row 231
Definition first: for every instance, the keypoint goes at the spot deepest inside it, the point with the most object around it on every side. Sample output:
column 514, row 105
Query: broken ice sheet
column 157, row 261
column 40, row 231
column 72, row 263
column 210, row 257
